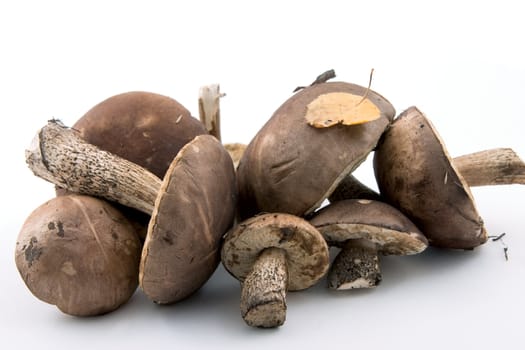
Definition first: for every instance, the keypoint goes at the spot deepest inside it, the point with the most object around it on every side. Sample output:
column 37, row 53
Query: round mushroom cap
column 306, row 250
column 291, row 166
column 195, row 207
column 387, row 228
column 145, row 128
column 80, row 254
column 416, row 174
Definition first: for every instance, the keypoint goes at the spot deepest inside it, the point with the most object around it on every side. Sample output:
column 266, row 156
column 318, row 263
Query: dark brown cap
column 416, row 174
column 194, row 208
column 291, row 166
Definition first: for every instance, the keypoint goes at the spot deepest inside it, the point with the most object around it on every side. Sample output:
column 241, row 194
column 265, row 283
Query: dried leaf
column 340, row 108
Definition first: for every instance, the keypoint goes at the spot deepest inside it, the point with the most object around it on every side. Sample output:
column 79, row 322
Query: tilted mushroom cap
column 291, row 166
column 193, row 210
column 145, row 128
column 80, row 254
column 306, row 250
column 383, row 225
column 415, row 174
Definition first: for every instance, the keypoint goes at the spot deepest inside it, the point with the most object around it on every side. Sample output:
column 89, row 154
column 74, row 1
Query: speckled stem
column 58, row 155
column 500, row 166
column 356, row 266
column 263, row 293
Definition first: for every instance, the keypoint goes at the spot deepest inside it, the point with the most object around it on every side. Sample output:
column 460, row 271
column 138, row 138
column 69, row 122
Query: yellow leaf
column 340, row 108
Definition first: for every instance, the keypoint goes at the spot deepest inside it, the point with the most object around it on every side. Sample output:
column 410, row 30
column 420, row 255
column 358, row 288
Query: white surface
column 460, row 62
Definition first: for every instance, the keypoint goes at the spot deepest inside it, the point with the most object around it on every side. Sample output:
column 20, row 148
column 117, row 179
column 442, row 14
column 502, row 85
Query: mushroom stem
column 500, row 166
column 209, row 111
column 356, row 266
column 263, row 293
column 58, row 155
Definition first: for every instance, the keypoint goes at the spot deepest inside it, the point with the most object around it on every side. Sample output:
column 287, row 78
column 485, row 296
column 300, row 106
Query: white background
column 460, row 62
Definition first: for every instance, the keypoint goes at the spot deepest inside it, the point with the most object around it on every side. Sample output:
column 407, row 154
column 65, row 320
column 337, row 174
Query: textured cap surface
column 306, row 250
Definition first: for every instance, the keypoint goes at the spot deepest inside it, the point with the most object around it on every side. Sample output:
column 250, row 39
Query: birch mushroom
column 280, row 170
column 80, row 254
column 145, row 128
column 272, row 254
column 190, row 209
column 365, row 229
column 416, row 174
column 498, row 166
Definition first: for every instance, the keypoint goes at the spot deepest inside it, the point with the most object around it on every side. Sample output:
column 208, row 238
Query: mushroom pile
column 148, row 196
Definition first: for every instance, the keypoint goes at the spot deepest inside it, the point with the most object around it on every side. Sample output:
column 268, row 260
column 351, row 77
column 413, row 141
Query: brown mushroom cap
column 291, row 166
column 306, row 250
column 387, row 228
column 415, row 174
column 194, row 208
column 145, row 128
column 80, row 254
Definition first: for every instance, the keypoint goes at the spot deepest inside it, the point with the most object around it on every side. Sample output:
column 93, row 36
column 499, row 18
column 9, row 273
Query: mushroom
column 498, row 166
column 80, row 254
column 270, row 254
column 365, row 229
column 190, row 209
column 291, row 166
column 145, row 128
column 415, row 174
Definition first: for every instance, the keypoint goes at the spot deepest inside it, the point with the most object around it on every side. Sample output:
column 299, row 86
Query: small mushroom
column 291, row 166
column 416, row 174
column 365, row 229
column 498, row 166
column 80, row 254
column 271, row 254
column 190, row 209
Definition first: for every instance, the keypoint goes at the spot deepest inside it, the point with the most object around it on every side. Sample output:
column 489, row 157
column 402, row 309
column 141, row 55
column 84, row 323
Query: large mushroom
column 272, row 254
column 80, row 254
column 143, row 127
column 304, row 150
column 416, row 174
column 365, row 229
column 497, row 166
column 190, row 209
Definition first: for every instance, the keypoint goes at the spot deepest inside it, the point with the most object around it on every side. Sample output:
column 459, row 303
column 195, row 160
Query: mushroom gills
column 356, row 266
column 263, row 293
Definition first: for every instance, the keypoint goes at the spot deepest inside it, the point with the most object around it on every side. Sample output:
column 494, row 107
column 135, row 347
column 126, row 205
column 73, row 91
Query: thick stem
column 209, row 109
column 263, row 293
column 58, row 155
column 500, row 166
column 356, row 266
